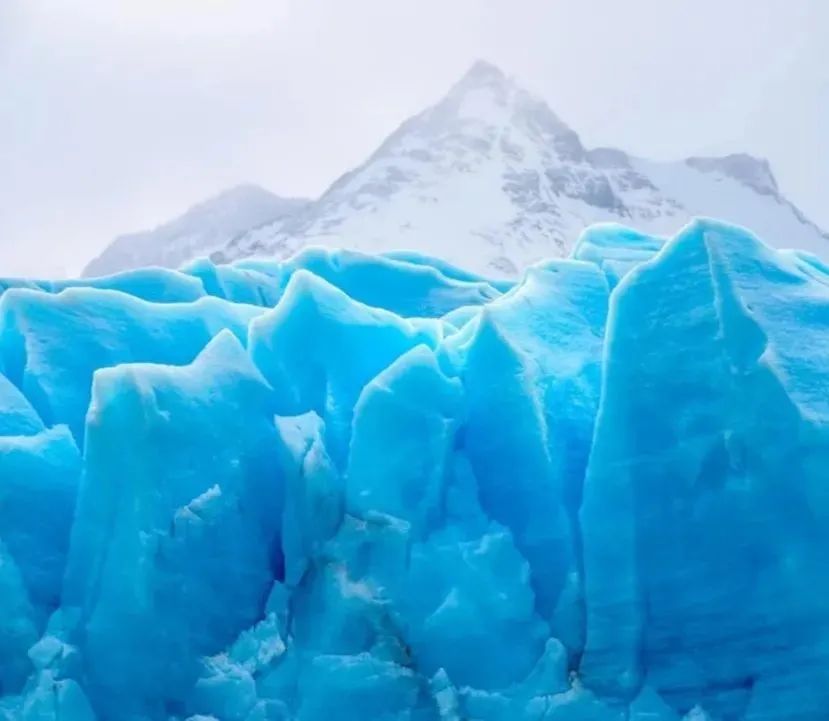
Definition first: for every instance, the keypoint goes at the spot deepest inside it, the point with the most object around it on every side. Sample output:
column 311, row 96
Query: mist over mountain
column 204, row 228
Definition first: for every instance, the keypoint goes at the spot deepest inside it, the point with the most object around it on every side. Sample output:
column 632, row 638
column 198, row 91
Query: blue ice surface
column 616, row 249
column 159, row 285
column 352, row 487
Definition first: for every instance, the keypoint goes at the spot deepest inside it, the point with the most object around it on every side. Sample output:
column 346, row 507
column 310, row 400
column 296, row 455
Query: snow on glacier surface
column 346, row 486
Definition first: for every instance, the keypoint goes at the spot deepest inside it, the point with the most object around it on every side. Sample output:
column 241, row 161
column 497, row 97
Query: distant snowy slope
column 491, row 177
column 202, row 229
column 740, row 189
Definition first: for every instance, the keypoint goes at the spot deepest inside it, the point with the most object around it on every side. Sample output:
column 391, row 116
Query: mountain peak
column 483, row 72
column 483, row 82
column 486, row 94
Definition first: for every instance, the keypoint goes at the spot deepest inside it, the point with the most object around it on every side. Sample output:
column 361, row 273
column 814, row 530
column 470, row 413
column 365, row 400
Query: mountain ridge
column 199, row 230
column 490, row 176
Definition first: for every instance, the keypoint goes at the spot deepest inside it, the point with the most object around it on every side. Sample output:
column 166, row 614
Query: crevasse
column 355, row 487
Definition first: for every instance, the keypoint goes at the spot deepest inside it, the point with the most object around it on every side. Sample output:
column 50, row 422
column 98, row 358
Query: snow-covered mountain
column 490, row 176
column 208, row 226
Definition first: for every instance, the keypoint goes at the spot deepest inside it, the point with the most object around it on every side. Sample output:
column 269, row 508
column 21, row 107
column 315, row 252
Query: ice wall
column 354, row 487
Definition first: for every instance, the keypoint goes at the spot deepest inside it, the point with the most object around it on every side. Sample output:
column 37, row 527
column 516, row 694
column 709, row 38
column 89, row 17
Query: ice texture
column 361, row 488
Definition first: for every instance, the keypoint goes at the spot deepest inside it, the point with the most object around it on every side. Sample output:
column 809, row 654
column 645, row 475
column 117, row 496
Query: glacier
column 380, row 487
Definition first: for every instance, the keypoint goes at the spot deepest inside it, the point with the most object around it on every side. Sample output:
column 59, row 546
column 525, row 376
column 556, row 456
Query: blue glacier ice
column 158, row 285
column 355, row 487
column 616, row 249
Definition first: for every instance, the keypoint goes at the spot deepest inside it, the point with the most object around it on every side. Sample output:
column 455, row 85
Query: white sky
column 116, row 115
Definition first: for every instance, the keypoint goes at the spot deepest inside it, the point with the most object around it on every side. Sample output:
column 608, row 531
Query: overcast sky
column 116, row 115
